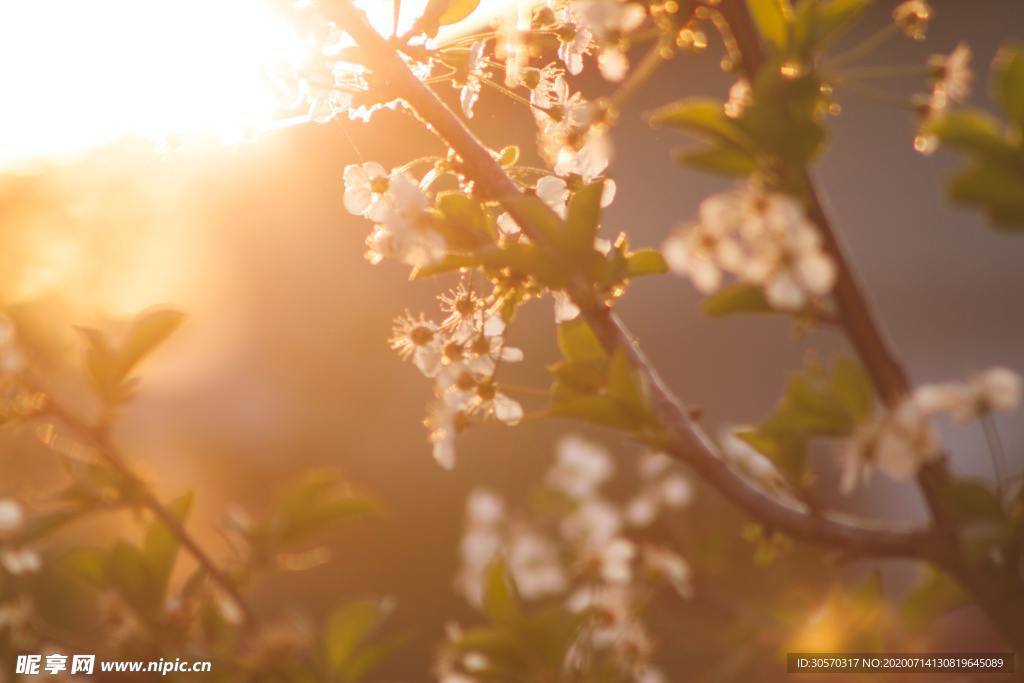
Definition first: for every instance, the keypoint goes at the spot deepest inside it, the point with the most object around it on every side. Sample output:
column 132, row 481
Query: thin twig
column 685, row 440
column 99, row 438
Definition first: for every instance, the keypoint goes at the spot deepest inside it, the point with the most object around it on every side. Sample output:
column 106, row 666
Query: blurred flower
column 609, row 22
column 897, row 442
column 18, row 561
column 536, row 568
column 761, row 238
column 594, row 522
column 994, row 390
column 740, row 97
column 951, row 83
column 12, row 517
column 616, row 560
column 670, row 566
column 660, row 489
column 912, row 17
column 581, row 467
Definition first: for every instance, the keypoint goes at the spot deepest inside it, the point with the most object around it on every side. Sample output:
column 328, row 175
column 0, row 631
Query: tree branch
column 997, row 593
column 686, row 441
column 99, row 438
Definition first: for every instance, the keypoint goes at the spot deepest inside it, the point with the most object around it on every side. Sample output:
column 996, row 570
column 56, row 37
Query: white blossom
column 994, row 390
column 760, row 238
column 898, row 443
column 12, row 517
column 670, row 566
column 609, row 22
column 535, row 566
column 19, row 561
column 593, row 522
column 418, row 339
column 365, row 184
column 581, row 467
column 616, row 560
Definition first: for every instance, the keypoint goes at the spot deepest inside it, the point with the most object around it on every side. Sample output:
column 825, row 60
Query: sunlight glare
column 77, row 75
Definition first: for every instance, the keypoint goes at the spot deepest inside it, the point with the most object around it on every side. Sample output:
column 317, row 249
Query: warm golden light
column 80, row 74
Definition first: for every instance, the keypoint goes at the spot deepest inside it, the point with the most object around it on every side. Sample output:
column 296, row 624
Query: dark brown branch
column 98, row 438
column 996, row 591
column 686, row 441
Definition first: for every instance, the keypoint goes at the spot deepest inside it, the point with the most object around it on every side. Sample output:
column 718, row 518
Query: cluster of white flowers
column 461, row 355
column 397, row 205
column 533, row 558
column 899, row 441
column 574, row 133
column 587, row 559
column 14, row 559
column 951, row 83
column 761, row 238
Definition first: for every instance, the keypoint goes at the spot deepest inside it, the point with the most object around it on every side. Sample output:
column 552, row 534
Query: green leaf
column 976, row 134
column 500, row 598
column 109, row 365
column 853, row 388
column 785, row 115
column 348, row 627
column 645, row 262
column 148, row 331
column 734, row 299
column 584, row 214
column 318, row 501
column 160, row 546
column 579, row 343
column 936, row 595
column 772, row 19
column 705, row 118
column 533, row 215
column 996, row 191
column 624, row 384
column 579, row 377
column 464, row 222
column 457, row 10
column 819, row 23
column 128, row 570
column 601, row 410
column 727, row 161
column 1009, row 68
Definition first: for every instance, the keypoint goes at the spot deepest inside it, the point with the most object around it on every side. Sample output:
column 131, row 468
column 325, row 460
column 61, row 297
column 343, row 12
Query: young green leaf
column 735, row 299
column 704, row 118
column 584, row 214
column 772, row 18
column 722, row 160
column 579, row 343
column 501, row 600
column 160, row 546
column 348, row 628
column 645, row 262
column 1010, row 82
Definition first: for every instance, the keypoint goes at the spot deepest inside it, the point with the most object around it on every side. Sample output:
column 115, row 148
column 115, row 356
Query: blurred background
column 283, row 363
